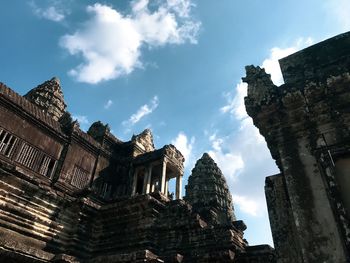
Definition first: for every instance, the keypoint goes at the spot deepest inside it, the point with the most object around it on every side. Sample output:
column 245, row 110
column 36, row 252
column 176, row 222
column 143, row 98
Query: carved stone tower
column 49, row 97
column 208, row 193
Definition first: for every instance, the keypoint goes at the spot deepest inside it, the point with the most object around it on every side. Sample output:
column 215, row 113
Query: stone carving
column 260, row 86
column 306, row 125
column 144, row 140
column 208, row 193
column 49, row 97
column 98, row 130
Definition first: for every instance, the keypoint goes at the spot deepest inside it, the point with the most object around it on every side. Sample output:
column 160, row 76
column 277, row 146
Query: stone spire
column 49, row 97
column 144, row 140
column 208, row 193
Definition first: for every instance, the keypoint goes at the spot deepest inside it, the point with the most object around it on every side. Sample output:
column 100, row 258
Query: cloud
column 235, row 102
column 143, row 111
column 54, row 11
column 108, row 104
column 82, row 119
column 340, row 10
column 110, row 42
column 247, row 205
column 271, row 64
column 184, row 145
column 230, row 163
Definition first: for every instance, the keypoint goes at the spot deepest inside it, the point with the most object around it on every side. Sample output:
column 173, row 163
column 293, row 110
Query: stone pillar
column 163, row 177
column 147, row 180
column 178, row 186
column 134, row 182
column 166, row 187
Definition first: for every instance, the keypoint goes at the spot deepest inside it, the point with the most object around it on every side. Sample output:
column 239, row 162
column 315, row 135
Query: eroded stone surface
column 49, row 97
column 208, row 193
column 306, row 125
column 71, row 197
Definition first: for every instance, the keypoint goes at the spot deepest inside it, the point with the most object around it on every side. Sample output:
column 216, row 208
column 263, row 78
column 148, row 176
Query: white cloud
column 108, row 104
column 247, row 205
column 235, row 103
column 230, row 163
column 181, row 7
column 184, row 145
column 82, row 119
column 271, row 64
column 54, row 11
column 110, row 42
column 340, row 10
column 143, row 111
column 52, row 14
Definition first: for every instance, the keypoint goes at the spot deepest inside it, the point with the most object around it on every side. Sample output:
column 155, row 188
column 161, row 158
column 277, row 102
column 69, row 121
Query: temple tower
column 49, row 97
column 208, row 193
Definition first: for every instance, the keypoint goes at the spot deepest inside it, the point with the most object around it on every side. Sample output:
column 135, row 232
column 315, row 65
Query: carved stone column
column 147, row 180
column 178, row 186
column 166, row 187
column 163, row 177
column 134, row 182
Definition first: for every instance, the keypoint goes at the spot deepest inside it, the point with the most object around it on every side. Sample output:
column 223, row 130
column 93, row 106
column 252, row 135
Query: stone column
column 163, row 177
column 166, row 187
column 134, row 182
column 147, row 180
column 178, row 186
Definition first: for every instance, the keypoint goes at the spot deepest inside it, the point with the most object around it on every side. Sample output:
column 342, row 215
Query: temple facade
column 306, row 124
column 73, row 196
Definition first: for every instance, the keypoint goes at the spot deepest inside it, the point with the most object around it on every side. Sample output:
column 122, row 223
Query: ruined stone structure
column 71, row 196
column 306, row 124
column 208, row 192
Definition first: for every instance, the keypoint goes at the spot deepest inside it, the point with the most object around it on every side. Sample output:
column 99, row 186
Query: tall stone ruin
column 306, row 124
column 67, row 196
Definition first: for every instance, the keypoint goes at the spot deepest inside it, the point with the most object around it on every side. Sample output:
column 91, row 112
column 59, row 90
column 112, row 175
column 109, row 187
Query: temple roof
column 144, row 140
column 208, row 193
column 49, row 97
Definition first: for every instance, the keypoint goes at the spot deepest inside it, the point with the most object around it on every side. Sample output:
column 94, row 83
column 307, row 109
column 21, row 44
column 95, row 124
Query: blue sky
column 173, row 66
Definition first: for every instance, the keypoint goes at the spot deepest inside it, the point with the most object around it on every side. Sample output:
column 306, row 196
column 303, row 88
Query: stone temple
column 70, row 196
column 306, row 124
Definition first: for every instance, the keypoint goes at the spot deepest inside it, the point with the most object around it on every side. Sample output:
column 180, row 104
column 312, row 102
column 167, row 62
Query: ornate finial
column 56, row 79
column 260, row 85
column 144, row 140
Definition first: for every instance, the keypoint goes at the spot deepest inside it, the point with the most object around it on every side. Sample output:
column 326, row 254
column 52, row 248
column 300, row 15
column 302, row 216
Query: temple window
column 7, row 143
column 36, row 160
column 80, row 177
column 47, row 166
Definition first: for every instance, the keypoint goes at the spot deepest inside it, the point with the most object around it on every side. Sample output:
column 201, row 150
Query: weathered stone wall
column 281, row 220
column 26, row 131
column 69, row 196
column 305, row 121
column 36, row 222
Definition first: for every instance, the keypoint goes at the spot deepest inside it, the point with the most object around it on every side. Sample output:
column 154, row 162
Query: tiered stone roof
column 208, row 193
column 49, row 97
